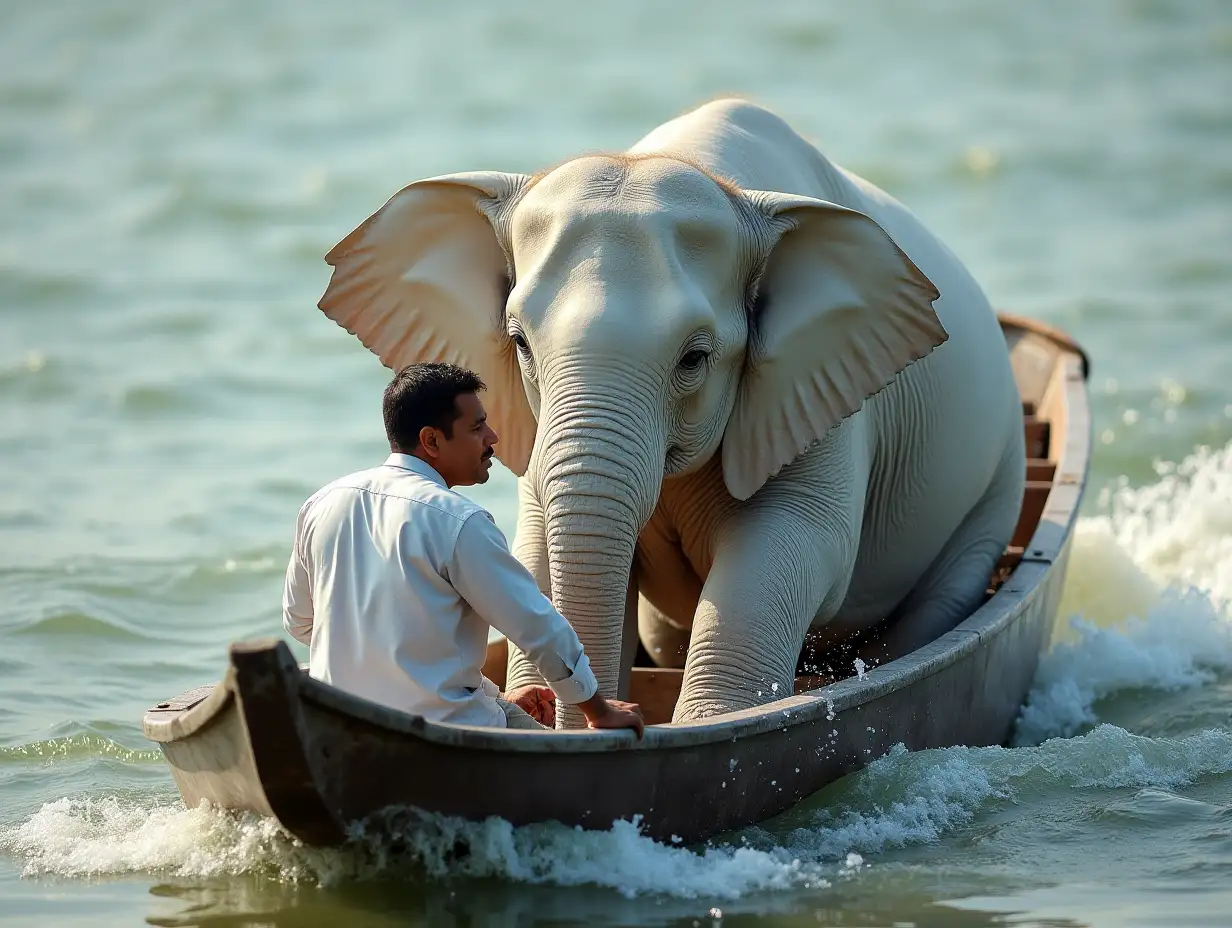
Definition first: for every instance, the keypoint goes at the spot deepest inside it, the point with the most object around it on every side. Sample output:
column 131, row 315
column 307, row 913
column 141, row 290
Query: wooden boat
column 270, row 739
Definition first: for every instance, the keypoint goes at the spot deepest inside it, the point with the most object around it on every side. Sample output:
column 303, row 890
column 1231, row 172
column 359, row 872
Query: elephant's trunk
column 598, row 481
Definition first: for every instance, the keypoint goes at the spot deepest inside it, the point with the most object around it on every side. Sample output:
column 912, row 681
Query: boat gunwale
column 175, row 724
column 993, row 617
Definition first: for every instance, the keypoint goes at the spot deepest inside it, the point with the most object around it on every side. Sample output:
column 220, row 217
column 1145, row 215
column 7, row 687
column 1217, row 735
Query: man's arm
column 297, row 591
column 505, row 595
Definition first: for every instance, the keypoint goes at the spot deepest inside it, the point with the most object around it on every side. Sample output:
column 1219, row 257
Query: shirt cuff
column 578, row 686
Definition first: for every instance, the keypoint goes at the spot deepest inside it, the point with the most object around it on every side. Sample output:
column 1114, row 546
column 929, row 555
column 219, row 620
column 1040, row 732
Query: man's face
column 466, row 458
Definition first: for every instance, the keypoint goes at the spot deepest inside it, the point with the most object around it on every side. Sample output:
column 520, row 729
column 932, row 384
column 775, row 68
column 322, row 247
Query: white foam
column 939, row 791
column 1179, row 529
column 620, row 858
column 901, row 799
column 1180, row 643
column 92, row 837
column 1148, row 594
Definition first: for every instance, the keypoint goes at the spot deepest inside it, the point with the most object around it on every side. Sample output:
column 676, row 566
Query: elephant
column 749, row 397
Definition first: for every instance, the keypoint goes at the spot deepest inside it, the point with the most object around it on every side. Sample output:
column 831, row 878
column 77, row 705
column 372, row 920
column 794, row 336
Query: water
column 171, row 175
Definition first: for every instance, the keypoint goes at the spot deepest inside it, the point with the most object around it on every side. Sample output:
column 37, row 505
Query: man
column 395, row 578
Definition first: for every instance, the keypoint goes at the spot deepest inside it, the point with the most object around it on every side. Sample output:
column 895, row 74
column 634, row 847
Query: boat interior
column 1035, row 350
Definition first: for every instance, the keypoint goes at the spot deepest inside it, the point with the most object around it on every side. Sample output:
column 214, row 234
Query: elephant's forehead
column 659, row 187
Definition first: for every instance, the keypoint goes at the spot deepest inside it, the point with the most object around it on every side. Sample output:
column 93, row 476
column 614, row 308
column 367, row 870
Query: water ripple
column 75, row 624
column 76, row 747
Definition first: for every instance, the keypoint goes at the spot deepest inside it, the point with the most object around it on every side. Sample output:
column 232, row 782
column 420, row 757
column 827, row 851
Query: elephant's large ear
column 840, row 311
column 425, row 279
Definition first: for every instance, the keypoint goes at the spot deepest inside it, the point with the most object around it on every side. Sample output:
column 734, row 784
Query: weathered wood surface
column 271, row 740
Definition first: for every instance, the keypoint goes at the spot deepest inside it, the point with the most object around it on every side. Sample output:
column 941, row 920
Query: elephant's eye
column 693, row 360
column 520, row 340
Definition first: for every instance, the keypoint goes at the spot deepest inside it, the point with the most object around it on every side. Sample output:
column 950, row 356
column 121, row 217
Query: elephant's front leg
column 778, row 566
column 529, row 547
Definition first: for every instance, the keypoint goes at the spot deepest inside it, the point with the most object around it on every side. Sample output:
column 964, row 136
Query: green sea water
column 171, row 176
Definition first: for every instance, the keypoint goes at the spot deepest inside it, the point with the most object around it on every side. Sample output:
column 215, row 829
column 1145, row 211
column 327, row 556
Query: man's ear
column 429, row 441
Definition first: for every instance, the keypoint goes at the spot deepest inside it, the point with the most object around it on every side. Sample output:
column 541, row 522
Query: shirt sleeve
column 297, row 591
column 503, row 592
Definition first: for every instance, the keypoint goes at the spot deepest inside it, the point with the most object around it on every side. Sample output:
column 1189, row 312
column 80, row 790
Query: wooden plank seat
column 1040, row 469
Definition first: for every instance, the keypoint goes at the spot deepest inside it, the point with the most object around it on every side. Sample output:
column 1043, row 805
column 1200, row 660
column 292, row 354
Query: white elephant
column 727, row 371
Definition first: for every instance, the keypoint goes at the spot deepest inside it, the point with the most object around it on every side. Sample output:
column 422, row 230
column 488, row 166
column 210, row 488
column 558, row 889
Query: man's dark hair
column 425, row 394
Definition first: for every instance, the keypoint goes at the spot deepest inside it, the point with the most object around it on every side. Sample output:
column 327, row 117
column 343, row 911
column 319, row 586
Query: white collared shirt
column 393, row 582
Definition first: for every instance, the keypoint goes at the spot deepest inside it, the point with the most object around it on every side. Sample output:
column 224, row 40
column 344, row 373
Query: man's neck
column 419, row 455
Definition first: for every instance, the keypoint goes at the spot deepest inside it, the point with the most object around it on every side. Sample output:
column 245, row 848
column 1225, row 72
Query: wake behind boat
column 271, row 740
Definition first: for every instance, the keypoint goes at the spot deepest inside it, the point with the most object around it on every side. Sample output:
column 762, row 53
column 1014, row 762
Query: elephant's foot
column 696, row 710
column 697, row 703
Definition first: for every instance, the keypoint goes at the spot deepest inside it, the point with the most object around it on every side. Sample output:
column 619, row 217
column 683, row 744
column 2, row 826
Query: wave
column 80, row 624
column 74, row 747
column 1147, row 596
column 940, row 790
column 1183, row 642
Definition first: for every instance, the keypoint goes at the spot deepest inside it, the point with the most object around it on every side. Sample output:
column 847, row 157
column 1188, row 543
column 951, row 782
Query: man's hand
column 613, row 713
column 539, row 702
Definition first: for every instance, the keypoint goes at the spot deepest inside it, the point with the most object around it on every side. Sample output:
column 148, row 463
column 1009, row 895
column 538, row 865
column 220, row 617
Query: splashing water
column 90, row 837
column 1148, row 595
column 938, row 791
column 1148, row 599
column 1179, row 529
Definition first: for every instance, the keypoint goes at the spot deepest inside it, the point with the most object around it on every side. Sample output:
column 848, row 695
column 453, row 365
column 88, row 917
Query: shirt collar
column 416, row 465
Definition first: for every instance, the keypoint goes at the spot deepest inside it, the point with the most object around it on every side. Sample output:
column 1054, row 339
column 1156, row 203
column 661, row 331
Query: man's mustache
column 487, row 454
